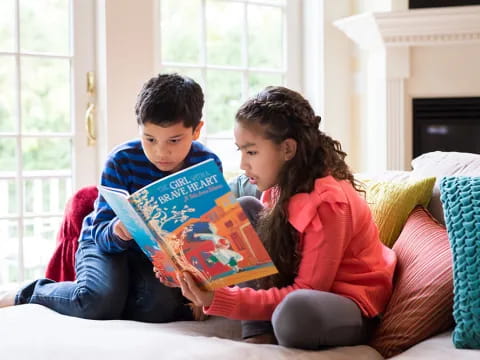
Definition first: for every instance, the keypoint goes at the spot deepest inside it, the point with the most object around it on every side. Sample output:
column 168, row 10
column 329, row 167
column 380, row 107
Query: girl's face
column 261, row 159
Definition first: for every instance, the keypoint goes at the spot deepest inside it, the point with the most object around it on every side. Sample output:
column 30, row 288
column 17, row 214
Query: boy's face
column 167, row 147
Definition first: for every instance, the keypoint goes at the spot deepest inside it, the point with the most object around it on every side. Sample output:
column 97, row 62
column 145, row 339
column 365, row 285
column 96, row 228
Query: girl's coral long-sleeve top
column 341, row 253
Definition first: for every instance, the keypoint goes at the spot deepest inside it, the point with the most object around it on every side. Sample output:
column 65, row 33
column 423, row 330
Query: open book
column 191, row 221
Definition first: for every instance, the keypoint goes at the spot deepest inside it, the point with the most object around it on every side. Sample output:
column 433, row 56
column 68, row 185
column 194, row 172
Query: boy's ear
column 289, row 148
column 196, row 132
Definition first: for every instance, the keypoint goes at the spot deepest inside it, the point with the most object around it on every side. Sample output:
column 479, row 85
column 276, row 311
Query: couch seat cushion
column 36, row 332
column 439, row 347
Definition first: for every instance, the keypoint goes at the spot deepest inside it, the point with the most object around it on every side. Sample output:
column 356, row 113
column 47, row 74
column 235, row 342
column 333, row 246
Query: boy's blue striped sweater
column 128, row 168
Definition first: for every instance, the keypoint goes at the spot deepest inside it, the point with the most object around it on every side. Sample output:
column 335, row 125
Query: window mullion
column 264, row 72
column 245, row 73
column 19, row 159
column 203, row 65
column 292, row 45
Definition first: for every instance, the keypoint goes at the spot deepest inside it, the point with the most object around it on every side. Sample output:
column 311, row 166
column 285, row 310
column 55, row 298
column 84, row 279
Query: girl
column 335, row 276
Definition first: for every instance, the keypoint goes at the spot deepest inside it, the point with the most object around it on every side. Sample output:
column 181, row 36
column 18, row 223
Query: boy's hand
column 120, row 230
column 163, row 279
column 192, row 292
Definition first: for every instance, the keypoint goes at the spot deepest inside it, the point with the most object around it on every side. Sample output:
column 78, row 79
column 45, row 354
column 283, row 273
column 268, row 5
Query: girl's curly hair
column 280, row 114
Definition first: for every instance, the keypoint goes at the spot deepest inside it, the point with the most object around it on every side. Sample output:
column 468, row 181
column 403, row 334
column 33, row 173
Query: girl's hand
column 120, row 230
column 192, row 292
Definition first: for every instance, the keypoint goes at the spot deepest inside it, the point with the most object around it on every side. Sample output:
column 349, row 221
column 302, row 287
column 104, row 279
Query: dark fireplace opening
column 446, row 124
column 419, row 4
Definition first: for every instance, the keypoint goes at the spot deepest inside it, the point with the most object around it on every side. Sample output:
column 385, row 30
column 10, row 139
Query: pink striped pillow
column 422, row 298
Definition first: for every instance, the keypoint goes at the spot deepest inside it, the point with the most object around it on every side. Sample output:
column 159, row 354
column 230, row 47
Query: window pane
column 258, row 81
column 224, row 94
column 195, row 74
column 46, row 195
column 265, row 36
column 44, row 26
column 8, row 160
column 270, row 2
column 227, row 151
column 38, row 245
column 8, row 189
column 45, row 95
column 8, row 252
column 7, row 93
column 180, row 30
column 224, row 33
column 47, row 154
column 7, row 23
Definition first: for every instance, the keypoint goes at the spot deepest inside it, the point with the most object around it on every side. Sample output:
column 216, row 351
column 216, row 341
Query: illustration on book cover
column 202, row 229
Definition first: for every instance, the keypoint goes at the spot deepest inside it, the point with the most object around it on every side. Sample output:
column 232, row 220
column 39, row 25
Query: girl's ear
column 289, row 148
column 196, row 132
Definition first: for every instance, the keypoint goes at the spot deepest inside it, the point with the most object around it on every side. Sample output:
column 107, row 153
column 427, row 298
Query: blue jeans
column 109, row 286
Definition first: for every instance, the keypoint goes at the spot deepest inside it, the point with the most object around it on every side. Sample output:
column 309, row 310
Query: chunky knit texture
column 460, row 197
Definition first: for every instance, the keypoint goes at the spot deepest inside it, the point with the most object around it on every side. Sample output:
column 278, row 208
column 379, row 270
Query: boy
column 114, row 278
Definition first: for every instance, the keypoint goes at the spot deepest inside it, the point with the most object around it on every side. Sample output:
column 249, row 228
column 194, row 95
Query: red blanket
column 62, row 264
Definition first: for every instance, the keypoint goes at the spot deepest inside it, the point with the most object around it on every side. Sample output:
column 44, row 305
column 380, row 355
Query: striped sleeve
column 104, row 218
column 218, row 162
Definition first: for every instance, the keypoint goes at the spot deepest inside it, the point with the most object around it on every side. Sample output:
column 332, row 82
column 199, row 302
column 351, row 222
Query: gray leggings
column 309, row 319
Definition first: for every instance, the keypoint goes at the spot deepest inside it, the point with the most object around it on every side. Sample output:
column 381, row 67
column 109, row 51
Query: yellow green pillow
column 392, row 201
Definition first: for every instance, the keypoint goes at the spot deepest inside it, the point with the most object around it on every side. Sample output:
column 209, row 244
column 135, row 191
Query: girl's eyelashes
column 248, row 152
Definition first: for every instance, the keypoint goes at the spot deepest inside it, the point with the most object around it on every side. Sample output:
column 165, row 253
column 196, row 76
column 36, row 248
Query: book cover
column 191, row 221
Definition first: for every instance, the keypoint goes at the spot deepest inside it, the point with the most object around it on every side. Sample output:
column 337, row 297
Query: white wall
column 125, row 60
column 337, row 73
column 327, row 68
column 445, row 71
column 358, row 128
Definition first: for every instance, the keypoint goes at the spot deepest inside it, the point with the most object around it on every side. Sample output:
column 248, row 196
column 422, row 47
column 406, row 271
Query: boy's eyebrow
column 174, row 136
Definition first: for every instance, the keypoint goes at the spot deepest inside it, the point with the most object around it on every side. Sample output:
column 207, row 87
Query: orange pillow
column 422, row 298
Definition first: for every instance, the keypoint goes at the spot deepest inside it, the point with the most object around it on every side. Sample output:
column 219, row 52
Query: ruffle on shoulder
column 303, row 208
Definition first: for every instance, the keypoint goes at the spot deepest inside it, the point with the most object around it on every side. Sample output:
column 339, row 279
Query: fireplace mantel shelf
column 420, row 27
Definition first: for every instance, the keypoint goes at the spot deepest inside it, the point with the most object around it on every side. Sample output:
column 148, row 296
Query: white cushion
column 439, row 347
column 441, row 164
column 36, row 332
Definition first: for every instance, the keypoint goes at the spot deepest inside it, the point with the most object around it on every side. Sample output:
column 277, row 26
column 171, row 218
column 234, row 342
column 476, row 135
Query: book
column 191, row 221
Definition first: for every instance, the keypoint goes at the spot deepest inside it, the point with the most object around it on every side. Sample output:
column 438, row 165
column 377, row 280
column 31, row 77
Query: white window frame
column 292, row 56
column 83, row 170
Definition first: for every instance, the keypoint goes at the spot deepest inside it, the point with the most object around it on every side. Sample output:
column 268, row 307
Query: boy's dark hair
column 167, row 99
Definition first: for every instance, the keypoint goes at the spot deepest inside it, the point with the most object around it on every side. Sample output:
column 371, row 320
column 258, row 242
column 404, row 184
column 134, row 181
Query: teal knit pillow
column 460, row 198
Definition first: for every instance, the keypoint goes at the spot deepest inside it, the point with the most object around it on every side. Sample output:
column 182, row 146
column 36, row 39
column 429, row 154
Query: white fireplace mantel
column 420, row 27
column 388, row 37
